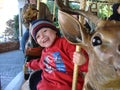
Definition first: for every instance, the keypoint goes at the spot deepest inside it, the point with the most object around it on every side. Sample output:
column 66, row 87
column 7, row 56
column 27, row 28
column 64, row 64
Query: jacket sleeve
column 33, row 64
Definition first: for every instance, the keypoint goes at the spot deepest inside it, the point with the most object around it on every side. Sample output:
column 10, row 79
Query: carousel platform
column 11, row 69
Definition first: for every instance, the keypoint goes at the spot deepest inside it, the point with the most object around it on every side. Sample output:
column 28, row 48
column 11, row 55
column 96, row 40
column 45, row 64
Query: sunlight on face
column 46, row 37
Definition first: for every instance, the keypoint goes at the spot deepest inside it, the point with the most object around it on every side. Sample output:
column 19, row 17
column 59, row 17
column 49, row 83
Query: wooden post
column 54, row 7
column 82, row 7
column 75, row 72
column 38, row 8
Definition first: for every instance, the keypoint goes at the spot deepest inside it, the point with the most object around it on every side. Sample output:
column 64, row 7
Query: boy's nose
column 41, row 36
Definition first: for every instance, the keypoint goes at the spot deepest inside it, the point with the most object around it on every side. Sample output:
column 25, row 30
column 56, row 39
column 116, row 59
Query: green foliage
column 104, row 11
column 50, row 4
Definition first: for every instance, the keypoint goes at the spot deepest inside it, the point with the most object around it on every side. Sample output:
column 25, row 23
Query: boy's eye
column 37, row 36
column 45, row 30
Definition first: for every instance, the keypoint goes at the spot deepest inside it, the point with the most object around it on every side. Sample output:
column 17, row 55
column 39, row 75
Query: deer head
column 103, row 47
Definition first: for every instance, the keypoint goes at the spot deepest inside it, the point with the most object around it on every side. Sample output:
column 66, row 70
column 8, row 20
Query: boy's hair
column 42, row 23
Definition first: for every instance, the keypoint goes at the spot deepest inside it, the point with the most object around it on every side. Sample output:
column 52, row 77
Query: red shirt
column 56, row 63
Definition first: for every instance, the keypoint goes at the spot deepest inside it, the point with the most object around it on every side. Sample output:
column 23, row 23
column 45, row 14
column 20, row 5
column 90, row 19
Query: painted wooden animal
column 102, row 45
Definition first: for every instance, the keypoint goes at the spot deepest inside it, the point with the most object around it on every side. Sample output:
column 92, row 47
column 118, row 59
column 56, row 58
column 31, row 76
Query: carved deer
column 103, row 47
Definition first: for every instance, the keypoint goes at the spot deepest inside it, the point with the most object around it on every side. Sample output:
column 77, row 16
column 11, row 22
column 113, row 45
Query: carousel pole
column 82, row 7
column 78, row 48
column 54, row 7
column 109, row 10
column 38, row 8
column 75, row 72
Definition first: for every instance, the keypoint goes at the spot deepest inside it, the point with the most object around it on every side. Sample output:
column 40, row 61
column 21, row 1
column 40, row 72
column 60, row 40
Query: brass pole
column 38, row 8
column 75, row 72
column 82, row 7
column 54, row 7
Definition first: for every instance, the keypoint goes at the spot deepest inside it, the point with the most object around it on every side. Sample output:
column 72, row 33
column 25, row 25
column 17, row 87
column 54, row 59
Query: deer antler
column 88, row 15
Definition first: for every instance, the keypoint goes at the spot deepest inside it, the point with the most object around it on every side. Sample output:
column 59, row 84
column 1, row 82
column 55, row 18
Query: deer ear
column 71, row 28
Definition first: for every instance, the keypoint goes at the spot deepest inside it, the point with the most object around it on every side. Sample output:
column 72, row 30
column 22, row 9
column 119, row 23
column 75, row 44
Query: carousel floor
column 11, row 64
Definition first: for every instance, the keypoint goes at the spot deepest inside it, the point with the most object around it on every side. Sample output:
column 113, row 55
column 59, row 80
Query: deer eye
column 96, row 41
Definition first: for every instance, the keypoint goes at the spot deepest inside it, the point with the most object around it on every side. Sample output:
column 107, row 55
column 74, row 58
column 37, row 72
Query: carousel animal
column 102, row 45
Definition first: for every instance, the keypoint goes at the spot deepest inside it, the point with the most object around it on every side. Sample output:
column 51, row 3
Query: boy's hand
column 27, row 64
column 78, row 58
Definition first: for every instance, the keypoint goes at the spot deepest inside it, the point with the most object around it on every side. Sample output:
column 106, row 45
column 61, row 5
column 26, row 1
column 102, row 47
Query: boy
column 29, row 13
column 57, row 57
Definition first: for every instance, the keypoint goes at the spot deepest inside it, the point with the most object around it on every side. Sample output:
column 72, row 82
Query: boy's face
column 46, row 37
